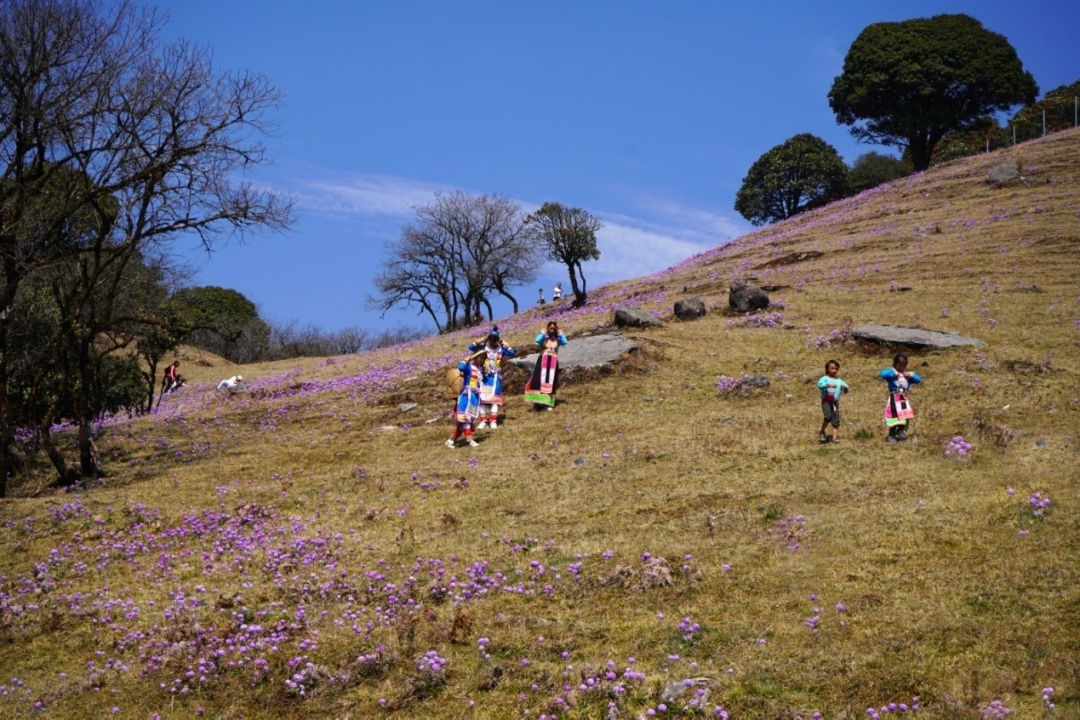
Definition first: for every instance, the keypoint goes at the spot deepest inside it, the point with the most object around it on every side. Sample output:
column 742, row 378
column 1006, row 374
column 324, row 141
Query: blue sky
column 647, row 114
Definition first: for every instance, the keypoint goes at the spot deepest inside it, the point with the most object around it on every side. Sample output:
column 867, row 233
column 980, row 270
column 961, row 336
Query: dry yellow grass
column 952, row 590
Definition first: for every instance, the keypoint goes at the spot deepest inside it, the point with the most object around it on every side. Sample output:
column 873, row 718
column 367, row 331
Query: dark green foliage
column 213, row 306
column 970, row 141
column 872, row 169
column 223, row 322
column 1059, row 106
column 802, row 173
column 911, row 83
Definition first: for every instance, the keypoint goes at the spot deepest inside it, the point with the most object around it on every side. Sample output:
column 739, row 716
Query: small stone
column 755, row 381
column 1003, row 173
column 387, row 427
column 1041, row 444
column 432, row 421
column 406, row 407
column 581, row 462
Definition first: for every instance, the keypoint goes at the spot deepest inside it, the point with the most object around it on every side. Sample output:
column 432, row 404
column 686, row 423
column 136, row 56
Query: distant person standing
column 541, row 301
column 556, row 294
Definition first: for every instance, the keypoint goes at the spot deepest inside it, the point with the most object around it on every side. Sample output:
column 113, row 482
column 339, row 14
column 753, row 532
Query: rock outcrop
column 586, row 352
column 635, row 317
column 690, row 308
column 745, row 296
column 913, row 337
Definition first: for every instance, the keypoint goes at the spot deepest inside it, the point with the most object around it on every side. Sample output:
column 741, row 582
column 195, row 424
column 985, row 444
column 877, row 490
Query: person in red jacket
column 172, row 377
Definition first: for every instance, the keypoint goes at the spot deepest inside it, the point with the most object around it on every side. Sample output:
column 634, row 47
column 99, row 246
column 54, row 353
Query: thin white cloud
column 627, row 252
column 663, row 234
column 364, row 195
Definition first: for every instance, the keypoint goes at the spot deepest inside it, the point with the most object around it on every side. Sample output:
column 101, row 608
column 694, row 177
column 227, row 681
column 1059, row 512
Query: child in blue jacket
column 831, row 387
column 898, row 410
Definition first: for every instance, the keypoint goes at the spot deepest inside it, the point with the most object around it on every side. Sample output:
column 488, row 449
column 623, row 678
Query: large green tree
column 910, row 83
column 802, row 173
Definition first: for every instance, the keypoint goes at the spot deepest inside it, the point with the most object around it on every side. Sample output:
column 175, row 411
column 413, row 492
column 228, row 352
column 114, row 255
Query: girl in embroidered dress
column 491, row 394
column 468, row 404
column 540, row 390
column 898, row 410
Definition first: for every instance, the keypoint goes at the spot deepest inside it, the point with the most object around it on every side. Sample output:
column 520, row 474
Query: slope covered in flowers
column 662, row 544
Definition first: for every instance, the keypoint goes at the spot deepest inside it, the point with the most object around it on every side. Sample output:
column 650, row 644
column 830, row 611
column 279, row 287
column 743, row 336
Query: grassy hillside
column 285, row 555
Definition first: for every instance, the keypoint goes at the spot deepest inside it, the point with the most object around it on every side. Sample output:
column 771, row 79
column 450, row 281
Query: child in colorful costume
column 832, row 387
column 491, row 394
column 468, row 404
column 540, row 390
column 898, row 410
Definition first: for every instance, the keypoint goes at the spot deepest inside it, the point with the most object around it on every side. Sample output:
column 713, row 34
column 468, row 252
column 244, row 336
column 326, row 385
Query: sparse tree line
column 463, row 250
column 929, row 86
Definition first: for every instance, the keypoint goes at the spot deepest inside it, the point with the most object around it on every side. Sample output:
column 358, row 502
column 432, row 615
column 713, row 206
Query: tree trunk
column 151, row 378
column 89, row 461
column 511, row 298
column 920, row 148
column 580, row 294
column 66, row 476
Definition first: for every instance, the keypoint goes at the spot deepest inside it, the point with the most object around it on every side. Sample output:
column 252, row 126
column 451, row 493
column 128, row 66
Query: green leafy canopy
column 911, row 83
column 803, row 172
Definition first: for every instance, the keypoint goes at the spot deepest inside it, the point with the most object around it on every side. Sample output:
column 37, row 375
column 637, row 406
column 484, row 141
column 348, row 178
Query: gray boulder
column 1004, row 173
column 914, row 337
column 690, row 308
column 755, row 381
column 635, row 317
column 586, row 352
column 745, row 296
column 406, row 407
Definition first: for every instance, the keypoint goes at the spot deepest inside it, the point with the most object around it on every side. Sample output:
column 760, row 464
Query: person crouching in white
column 231, row 384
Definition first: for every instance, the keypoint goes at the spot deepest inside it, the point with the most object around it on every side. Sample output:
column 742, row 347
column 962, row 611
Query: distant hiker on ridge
column 556, row 294
column 898, row 410
column 540, row 390
column 831, row 388
column 491, row 394
column 541, row 301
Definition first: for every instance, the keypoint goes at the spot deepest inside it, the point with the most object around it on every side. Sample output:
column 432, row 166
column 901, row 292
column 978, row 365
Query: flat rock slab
column 912, row 336
column 586, row 352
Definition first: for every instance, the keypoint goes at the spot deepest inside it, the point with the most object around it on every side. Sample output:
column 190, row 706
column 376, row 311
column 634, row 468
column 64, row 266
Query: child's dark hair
column 899, row 356
column 832, row 362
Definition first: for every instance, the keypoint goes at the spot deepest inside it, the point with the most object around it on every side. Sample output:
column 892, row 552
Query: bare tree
column 131, row 139
column 458, row 252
